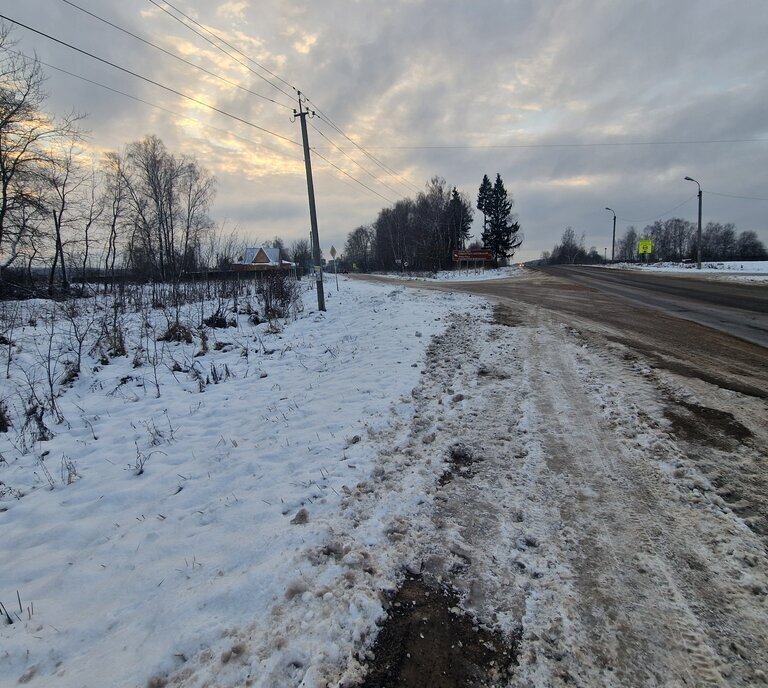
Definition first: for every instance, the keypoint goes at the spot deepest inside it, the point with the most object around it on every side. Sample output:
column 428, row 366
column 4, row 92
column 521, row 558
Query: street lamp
column 698, row 239
column 613, row 241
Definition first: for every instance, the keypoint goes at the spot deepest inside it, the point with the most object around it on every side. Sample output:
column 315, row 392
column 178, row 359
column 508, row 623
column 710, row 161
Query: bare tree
column 63, row 179
column 92, row 208
column 359, row 247
column 115, row 197
column 301, row 254
column 196, row 191
column 26, row 132
column 170, row 199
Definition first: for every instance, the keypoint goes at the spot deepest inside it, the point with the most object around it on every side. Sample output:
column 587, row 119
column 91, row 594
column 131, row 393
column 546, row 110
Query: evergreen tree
column 459, row 219
column 484, row 199
column 501, row 234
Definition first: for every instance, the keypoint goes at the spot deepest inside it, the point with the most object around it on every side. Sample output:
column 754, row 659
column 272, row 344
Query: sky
column 578, row 104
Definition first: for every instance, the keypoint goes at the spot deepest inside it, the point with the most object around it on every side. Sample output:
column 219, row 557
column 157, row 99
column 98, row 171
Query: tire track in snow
column 638, row 510
column 564, row 527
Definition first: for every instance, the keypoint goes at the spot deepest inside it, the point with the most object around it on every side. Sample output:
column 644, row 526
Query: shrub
column 176, row 332
column 280, row 293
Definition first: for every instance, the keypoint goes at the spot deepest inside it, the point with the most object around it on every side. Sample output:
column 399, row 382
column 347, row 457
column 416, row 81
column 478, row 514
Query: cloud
column 233, row 10
column 480, row 75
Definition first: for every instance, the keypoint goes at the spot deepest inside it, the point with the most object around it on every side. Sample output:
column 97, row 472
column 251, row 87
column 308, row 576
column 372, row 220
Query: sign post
column 474, row 255
column 335, row 269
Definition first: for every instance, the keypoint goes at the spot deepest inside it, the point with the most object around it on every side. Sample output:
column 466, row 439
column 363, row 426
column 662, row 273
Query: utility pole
column 302, row 115
column 613, row 238
column 698, row 234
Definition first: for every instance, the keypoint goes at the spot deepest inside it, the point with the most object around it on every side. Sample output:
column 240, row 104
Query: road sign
column 474, row 254
column 333, row 252
column 645, row 247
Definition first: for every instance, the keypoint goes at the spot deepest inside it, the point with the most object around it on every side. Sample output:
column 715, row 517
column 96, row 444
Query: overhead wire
column 174, row 55
column 587, row 144
column 154, row 105
column 660, row 215
column 167, row 52
column 354, row 179
column 726, row 195
column 151, row 81
column 80, row 50
column 218, row 47
column 322, row 115
column 193, row 119
column 345, row 154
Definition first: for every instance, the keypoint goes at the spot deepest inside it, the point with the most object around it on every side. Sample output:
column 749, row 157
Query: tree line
column 144, row 209
column 421, row 234
column 673, row 240
column 676, row 240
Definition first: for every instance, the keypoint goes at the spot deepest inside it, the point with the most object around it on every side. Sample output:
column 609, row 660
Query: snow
column 471, row 275
column 126, row 574
column 743, row 270
column 237, row 514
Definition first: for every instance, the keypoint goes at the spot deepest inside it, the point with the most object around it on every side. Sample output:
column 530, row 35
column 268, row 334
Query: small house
column 260, row 259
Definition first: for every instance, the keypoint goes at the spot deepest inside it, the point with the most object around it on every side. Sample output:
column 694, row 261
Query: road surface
column 740, row 309
column 606, row 494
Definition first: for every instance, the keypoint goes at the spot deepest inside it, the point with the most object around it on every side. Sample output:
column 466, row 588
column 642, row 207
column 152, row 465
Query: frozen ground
column 744, row 270
column 249, row 525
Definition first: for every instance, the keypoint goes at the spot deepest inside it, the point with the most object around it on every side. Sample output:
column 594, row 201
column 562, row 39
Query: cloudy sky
column 579, row 104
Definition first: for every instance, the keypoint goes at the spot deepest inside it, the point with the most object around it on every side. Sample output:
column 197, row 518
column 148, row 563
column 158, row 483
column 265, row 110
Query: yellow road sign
column 644, row 246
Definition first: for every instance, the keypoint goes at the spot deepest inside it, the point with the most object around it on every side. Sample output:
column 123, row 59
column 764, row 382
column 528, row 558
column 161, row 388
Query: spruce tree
column 484, row 199
column 459, row 219
column 501, row 233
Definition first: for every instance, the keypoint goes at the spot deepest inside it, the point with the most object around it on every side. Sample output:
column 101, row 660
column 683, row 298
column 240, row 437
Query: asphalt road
column 736, row 308
column 711, row 330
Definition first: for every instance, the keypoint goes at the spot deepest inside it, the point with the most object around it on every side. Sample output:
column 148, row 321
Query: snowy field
column 177, row 510
column 744, row 270
column 471, row 275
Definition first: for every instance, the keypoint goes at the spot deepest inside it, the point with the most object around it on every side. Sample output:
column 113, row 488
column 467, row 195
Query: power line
column 193, row 119
column 173, row 55
column 746, row 198
column 660, row 215
column 218, row 47
column 152, row 105
column 357, row 181
column 151, row 81
column 369, row 155
column 323, row 117
column 345, row 154
column 595, row 144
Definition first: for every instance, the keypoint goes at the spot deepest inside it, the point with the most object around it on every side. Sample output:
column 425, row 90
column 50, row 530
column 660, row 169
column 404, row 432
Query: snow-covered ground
column 238, row 513
column 465, row 275
column 185, row 500
column 743, row 270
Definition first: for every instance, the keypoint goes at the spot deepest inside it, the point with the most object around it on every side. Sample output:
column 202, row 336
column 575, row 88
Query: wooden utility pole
column 302, row 115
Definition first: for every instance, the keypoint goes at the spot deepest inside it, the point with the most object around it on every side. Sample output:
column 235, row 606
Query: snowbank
column 751, row 270
column 471, row 275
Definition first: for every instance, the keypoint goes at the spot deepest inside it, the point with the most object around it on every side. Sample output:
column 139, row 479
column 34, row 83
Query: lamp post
column 698, row 236
column 613, row 240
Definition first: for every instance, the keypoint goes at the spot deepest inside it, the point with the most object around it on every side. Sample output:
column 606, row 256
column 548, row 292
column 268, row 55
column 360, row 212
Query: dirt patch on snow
column 504, row 315
column 695, row 423
column 427, row 641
